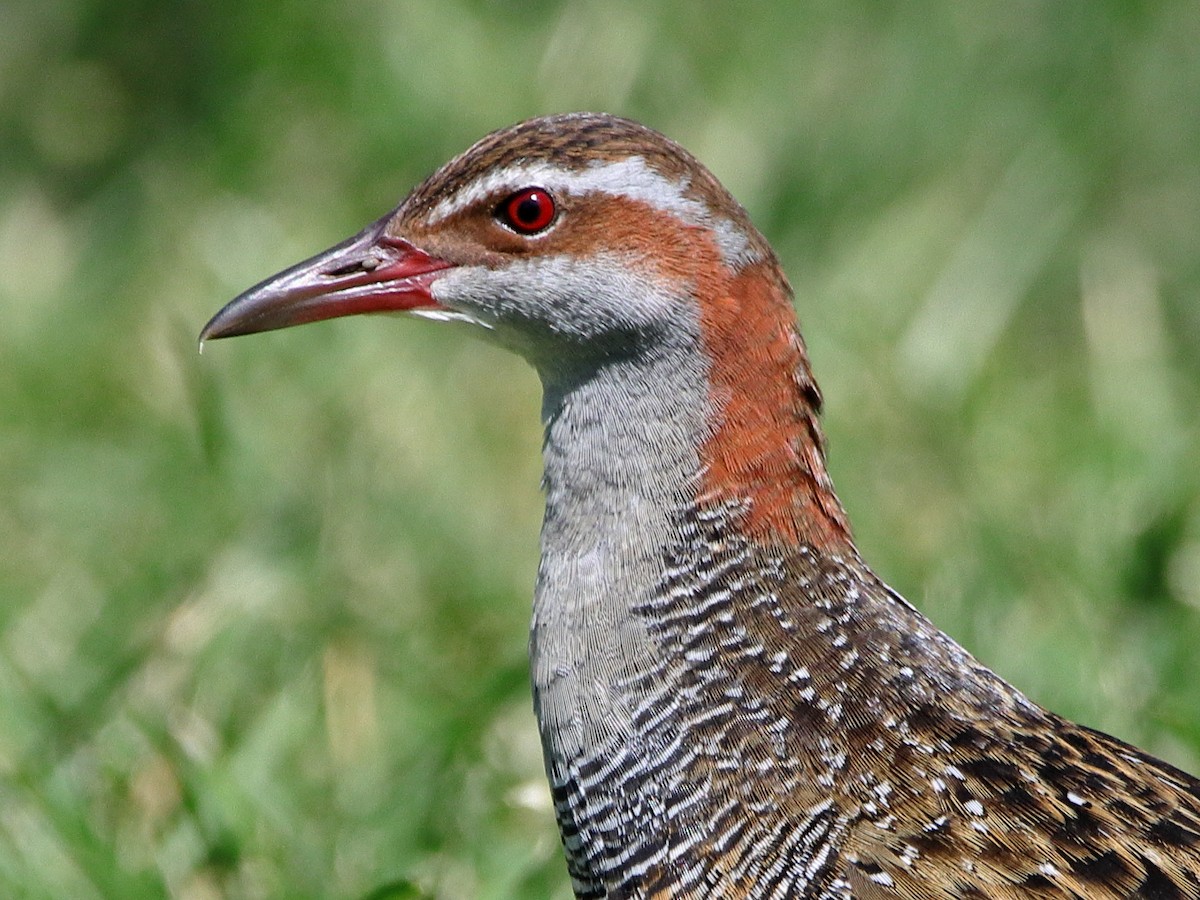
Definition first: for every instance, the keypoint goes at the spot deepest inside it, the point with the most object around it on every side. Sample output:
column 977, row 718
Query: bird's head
column 578, row 240
column 563, row 237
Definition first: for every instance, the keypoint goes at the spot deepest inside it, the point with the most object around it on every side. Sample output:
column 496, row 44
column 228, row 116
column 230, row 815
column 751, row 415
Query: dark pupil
column 528, row 210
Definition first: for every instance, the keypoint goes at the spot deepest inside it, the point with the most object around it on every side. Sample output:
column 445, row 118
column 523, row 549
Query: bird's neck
column 716, row 416
column 657, row 462
column 621, row 466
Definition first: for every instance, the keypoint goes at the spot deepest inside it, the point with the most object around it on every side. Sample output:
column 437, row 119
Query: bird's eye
column 528, row 211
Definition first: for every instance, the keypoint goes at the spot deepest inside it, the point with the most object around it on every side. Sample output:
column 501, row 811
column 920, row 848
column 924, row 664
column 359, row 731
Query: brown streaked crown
column 575, row 141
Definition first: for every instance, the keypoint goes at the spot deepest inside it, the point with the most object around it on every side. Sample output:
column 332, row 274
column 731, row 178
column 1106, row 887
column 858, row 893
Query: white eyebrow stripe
column 629, row 177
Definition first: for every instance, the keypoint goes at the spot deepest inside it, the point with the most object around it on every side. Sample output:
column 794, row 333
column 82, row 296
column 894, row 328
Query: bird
column 731, row 703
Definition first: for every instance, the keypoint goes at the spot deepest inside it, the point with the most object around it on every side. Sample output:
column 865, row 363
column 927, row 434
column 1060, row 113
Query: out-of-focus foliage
column 264, row 610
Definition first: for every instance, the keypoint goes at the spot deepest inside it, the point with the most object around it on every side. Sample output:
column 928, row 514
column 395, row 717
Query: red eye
column 528, row 211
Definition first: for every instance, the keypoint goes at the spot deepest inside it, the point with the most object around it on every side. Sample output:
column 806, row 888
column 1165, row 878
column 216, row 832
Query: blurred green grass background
column 264, row 611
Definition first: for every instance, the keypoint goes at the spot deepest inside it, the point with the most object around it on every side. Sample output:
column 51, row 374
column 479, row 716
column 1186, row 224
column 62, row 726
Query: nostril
column 370, row 264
